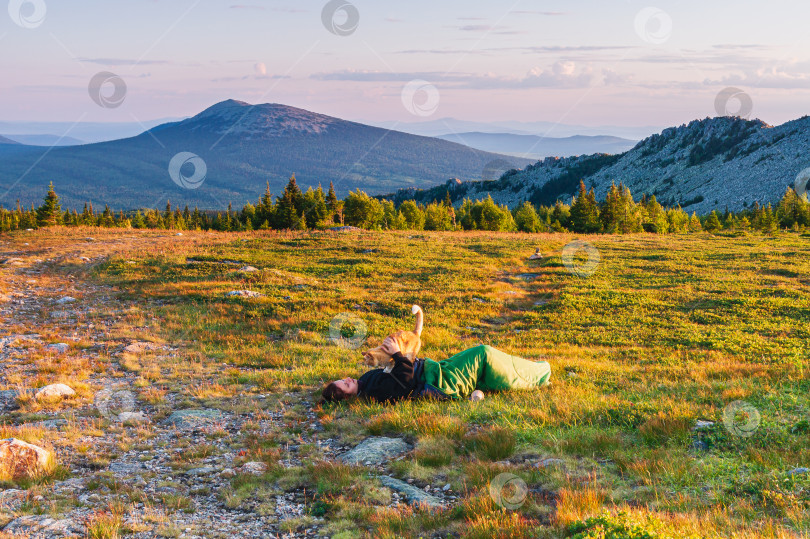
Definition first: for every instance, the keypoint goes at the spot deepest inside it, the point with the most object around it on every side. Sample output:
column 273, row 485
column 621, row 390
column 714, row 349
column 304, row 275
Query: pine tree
column 50, row 213
column 712, row 223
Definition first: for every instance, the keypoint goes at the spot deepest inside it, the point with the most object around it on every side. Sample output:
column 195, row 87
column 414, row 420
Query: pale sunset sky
column 585, row 62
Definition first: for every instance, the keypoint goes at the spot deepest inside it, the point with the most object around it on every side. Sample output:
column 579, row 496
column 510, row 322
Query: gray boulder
column 189, row 419
column 43, row 526
column 375, row 450
column 415, row 496
column 55, row 391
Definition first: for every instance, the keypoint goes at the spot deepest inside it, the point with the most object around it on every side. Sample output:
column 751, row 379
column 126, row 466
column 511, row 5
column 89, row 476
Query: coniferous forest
column 293, row 209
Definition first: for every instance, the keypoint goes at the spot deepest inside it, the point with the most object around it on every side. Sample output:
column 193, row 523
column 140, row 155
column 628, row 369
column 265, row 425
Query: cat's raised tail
column 420, row 319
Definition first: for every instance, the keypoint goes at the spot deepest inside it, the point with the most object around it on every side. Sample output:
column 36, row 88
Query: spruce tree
column 712, row 223
column 584, row 211
column 331, row 198
column 50, row 213
column 289, row 206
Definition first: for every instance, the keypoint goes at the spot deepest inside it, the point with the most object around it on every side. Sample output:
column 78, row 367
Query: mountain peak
column 265, row 120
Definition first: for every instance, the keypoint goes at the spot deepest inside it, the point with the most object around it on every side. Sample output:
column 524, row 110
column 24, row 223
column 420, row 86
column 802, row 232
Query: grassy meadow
column 669, row 330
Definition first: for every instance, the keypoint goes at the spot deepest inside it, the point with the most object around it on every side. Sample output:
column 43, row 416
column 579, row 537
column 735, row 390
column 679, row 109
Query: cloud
column 251, row 77
column 260, row 68
column 114, row 62
column 773, row 77
column 263, row 8
column 551, row 49
column 543, row 13
column 561, row 74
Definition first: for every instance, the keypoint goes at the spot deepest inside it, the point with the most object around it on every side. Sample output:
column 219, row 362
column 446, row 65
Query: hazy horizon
column 583, row 63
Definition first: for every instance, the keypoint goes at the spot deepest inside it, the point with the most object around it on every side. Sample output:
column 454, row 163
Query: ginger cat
column 409, row 344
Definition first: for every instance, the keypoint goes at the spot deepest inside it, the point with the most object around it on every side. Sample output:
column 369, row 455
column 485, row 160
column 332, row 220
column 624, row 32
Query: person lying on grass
column 482, row 367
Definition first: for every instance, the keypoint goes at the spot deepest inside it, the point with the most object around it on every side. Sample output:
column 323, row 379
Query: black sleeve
column 393, row 386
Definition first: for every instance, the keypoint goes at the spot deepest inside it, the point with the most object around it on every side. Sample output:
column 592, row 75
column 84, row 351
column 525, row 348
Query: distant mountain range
column 709, row 164
column 44, row 140
column 534, row 147
column 444, row 126
column 81, row 132
column 243, row 146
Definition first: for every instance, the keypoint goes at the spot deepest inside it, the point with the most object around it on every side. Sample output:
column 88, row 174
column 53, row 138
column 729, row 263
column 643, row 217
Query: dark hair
column 332, row 393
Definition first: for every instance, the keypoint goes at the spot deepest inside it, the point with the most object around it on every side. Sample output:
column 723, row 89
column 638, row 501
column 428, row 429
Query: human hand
column 390, row 346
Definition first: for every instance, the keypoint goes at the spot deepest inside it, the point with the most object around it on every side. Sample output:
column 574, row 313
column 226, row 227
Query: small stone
column 701, row 424
column 446, row 487
column 537, row 255
column 205, row 470
column 799, row 471
column 479, row 300
column 243, row 294
column 254, row 468
column 248, row 269
column 545, row 463
column 58, row 348
column 55, row 391
column 21, row 460
column 64, row 300
column 700, row 445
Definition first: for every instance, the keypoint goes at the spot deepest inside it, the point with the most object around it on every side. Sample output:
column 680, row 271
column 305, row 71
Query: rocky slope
column 539, row 147
column 705, row 165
